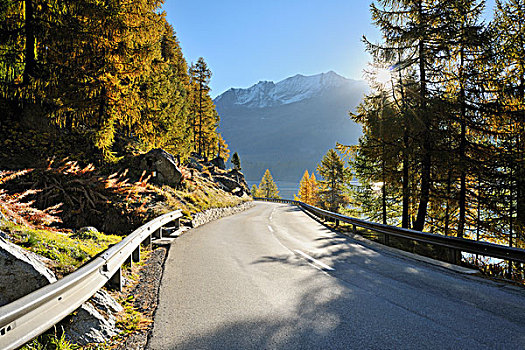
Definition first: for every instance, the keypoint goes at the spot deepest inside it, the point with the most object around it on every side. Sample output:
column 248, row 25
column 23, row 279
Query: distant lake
column 286, row 189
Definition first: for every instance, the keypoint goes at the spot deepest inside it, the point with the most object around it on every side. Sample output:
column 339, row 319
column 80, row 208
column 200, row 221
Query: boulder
column 163, row 165
column 219, row 163
column 229, row 185
column 195, row 164
column 239, row 177
column 87, row 232
column 23, row 269
column 94, row 321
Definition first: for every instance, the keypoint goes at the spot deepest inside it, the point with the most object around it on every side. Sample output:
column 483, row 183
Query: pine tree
column 267, row 187
column 332, row 170
column 236, row 161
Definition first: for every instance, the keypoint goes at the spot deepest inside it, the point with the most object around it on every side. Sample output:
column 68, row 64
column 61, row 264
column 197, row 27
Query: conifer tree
column 203, row 108
column 332, row 170
column 509, row 61
column 304, row 188
column 254, row 191
column 313, row 191
column 413, row 43
column 236, row 161
column 267, row 187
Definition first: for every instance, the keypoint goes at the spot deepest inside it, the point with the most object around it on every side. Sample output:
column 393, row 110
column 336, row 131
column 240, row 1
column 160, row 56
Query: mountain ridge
column 293, row 89
column 289, row 129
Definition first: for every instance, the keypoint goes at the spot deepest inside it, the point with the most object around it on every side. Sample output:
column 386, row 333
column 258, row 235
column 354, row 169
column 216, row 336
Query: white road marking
column 271, row 214
column 270, row 228
column 308, row 257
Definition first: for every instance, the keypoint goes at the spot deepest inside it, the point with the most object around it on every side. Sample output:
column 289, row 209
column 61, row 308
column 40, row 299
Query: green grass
column 196, row 196
column 51, row 341
column 66, row 250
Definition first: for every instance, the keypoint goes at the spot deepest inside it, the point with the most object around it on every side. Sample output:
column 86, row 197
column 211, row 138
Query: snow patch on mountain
column 294, row 89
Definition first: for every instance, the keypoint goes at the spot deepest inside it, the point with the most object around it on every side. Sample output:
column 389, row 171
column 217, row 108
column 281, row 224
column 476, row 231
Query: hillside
column 288, row 126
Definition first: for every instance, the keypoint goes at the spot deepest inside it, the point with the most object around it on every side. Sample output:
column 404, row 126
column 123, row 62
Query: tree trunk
column 426, row 162
column 462, row 150
column 447, row 208
column 30, row 59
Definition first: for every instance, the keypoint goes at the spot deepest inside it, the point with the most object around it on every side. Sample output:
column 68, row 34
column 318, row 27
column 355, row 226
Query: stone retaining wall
column 216, row 213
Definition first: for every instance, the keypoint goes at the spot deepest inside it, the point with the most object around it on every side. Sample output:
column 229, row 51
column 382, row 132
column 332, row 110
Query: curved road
column 274, row 278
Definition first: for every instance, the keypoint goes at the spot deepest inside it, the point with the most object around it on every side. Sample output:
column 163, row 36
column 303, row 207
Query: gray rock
column 239, row 177
column 88, row 232
column 233, row 182
column 89, row 325
column 229, row 185
column 106, row 303
column 164, row 165
column 219, row 163
column 195, row 164
column 22, row 269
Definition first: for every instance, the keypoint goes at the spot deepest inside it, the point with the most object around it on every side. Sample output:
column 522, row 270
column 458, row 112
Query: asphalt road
column 274, row 278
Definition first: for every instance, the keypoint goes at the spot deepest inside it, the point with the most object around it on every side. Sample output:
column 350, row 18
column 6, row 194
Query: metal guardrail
column 454, row 243
column 33, row 314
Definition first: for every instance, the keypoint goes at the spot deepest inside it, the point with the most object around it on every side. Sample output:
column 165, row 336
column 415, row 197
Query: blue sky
column 244, row 42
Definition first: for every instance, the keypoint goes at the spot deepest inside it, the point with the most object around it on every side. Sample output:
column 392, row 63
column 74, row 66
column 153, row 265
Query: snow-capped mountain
column 288, row 126
column 294, row 89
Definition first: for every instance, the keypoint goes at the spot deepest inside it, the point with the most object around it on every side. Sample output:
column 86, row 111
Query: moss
column 66, row 250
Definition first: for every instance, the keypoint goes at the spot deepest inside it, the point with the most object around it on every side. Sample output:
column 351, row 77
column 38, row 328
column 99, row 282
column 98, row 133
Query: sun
column 382, row 76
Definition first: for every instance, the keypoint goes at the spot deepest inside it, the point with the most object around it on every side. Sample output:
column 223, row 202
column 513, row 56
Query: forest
column 443, row 140
column 108, row 74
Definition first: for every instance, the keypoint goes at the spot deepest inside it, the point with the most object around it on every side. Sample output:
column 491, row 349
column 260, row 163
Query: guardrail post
column 386, row 238
column 135, row 256
column 157, row 233
column 115, row 282
column 354, row 229
column 454, row 256
column 336, row 223
column 147, row 242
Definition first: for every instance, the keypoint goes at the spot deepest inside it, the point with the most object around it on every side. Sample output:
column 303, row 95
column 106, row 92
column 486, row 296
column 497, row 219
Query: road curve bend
column 274, row 278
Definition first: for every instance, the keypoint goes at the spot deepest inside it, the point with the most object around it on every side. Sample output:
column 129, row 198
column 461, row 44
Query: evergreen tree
column 267, row 187
column 413, row 43
column 254, row 191
column 509, row 100
column 205, row 117
column 332, row 170
column 236, row 161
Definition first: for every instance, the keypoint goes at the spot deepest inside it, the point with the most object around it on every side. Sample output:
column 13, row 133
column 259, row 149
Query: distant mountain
column 288, row 126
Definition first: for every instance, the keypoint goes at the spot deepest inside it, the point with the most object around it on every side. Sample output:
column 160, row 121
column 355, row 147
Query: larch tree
column 267, row 187
column 313, row 190
column 304, row 188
